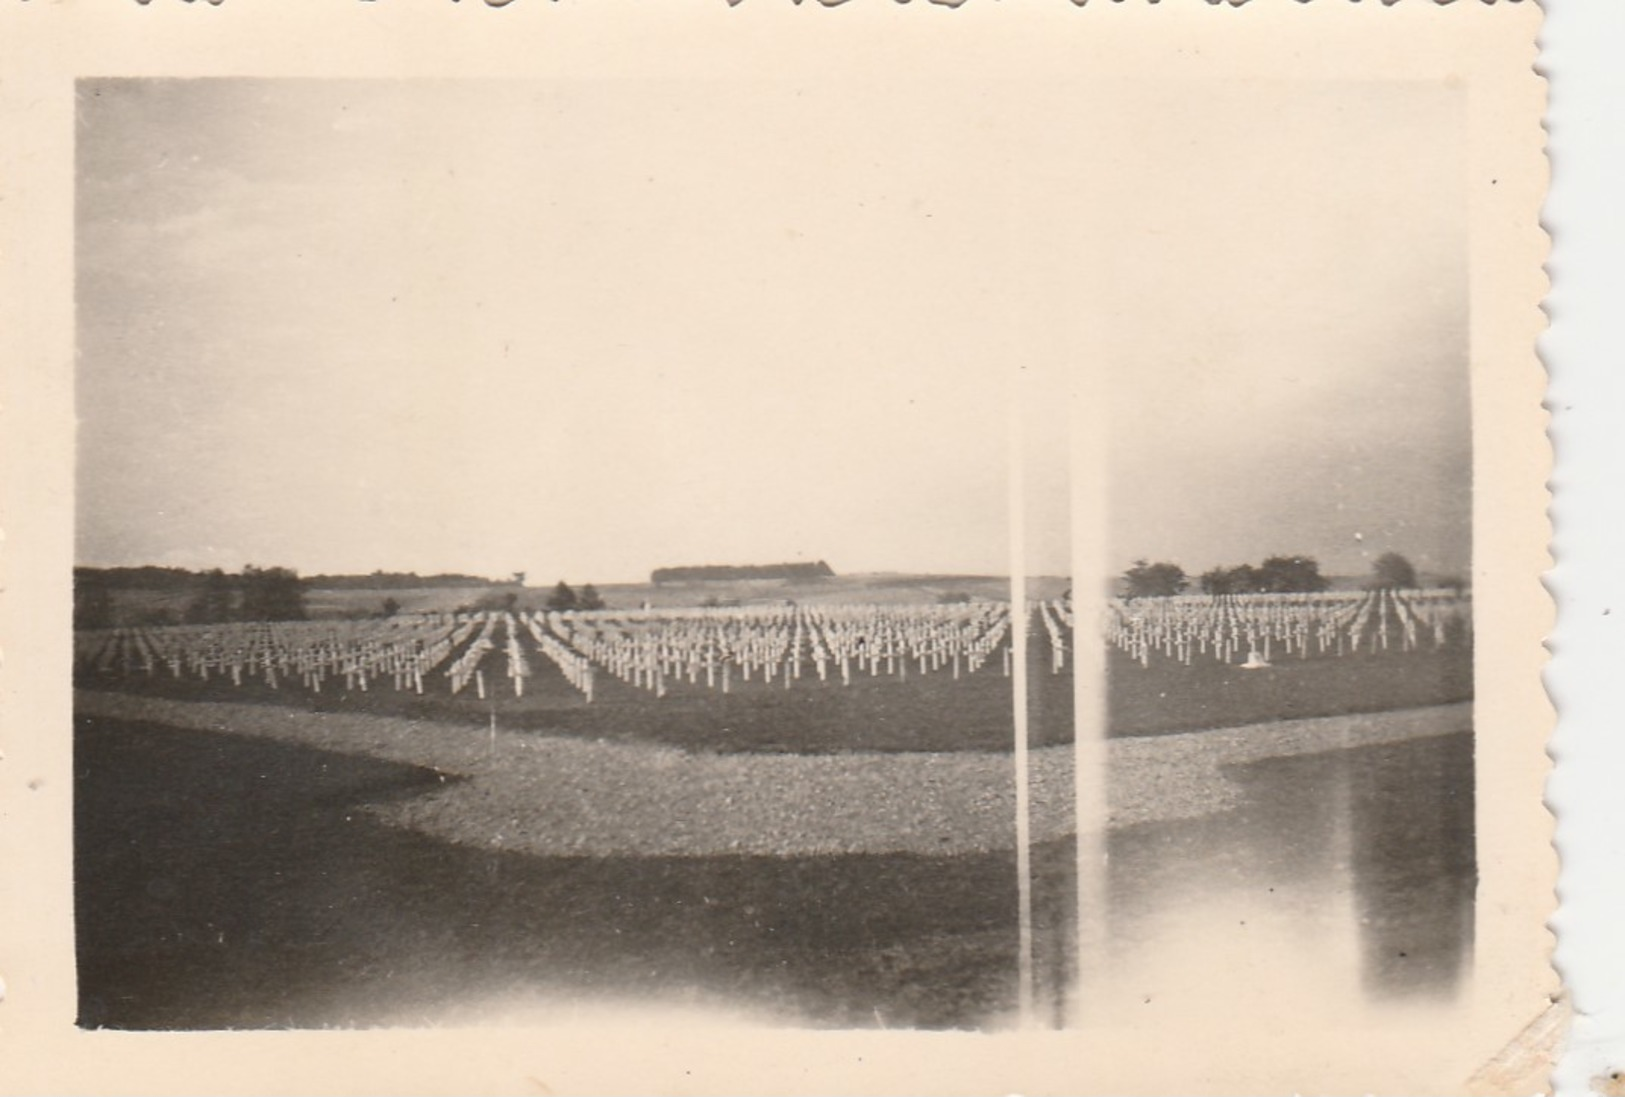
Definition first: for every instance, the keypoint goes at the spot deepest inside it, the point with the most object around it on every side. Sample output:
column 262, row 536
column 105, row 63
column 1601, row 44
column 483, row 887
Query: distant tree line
column 564, row 597
column 1276, row 575
column 714, row 572
column 257, row 594
column 139, row 578
column 254, row 594
column 150, row 595
column 401, row 580
column 150, row 577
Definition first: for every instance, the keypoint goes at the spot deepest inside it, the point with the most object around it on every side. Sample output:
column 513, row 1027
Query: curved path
column 563, row 796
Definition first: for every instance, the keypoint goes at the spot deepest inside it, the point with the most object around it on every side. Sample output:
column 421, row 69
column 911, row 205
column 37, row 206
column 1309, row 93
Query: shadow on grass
column 227, row 882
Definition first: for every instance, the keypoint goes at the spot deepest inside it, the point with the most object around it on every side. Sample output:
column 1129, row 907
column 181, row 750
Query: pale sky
column 589, row 329
column 1299, row 383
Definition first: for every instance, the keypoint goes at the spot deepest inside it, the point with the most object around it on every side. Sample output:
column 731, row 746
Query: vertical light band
column 1087, row 457
column 1018, row 682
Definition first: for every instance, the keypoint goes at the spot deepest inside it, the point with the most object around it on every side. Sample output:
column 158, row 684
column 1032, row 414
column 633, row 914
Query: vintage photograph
column 790, row 551
column 480, row 611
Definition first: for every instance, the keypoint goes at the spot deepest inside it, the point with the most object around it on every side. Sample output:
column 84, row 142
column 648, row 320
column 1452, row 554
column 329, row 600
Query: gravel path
column 564, row 796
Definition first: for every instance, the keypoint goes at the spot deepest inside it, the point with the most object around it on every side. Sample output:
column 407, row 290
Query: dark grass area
column 1394, row 820
column 920, row 713
column 228, row 882
column 1170, row 697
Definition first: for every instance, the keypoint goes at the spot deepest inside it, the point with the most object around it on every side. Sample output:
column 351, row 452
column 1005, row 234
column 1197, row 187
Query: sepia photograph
column 576, row 550
column 476, row 611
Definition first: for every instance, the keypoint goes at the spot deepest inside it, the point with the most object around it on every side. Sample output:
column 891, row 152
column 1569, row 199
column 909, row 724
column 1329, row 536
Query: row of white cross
column 1253, row 626
column 652, row 649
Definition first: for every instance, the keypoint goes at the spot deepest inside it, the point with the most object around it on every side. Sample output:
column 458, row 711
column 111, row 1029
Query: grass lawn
column 224, row 881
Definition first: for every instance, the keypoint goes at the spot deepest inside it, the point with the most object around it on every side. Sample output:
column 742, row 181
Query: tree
column 391, row 607
column 215, row 602
column 272, row 594
column 1147, row 580
column 1292, row 575
column 92, row 605
column 562, row 598
column 1391, row 571
column 1241, row 579
column 590, row 598
column 519, row 578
